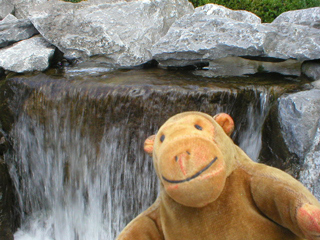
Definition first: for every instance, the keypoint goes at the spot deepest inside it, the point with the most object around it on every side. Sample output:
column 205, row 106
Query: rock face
column 213, row 32
column 296, row 36
column 29, row 55
column 299, row 115
column 300, row 119
column 6, row 8
column 308, row 17
column 312, row 69
column 120, row 34
column 309, row 174
column 125, row 34
column 13, row 30
column 23, row 7
column 285, row 40
column 295, row 134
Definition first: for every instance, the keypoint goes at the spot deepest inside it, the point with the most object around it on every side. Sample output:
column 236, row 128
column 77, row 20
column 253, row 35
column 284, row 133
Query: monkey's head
column 193, row 155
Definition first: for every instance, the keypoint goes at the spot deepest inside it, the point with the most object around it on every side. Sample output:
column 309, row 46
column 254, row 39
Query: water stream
column 78, row 163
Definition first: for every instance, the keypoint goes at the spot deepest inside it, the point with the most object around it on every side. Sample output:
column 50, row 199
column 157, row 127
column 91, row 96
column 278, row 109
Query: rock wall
column 291, row 137
column 126, row 34
column 213, row 32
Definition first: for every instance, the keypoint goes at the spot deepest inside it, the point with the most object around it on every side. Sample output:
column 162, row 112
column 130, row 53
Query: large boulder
column 28, row 55
column 291, row 136
column 308, row 17
column 213, row 32
column 6, row 8
column 120, row 34
column 299, row 115
column 210, row 33
column 13, row 30
column 289, row 40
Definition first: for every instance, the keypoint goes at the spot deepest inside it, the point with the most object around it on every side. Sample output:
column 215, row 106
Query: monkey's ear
column 148, row 144
column 226, row 122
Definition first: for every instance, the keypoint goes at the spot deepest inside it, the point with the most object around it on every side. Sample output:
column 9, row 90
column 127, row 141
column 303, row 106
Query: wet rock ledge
column 125, row 34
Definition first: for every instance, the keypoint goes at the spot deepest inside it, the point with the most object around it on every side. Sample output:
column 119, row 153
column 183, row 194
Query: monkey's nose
column 182, row 159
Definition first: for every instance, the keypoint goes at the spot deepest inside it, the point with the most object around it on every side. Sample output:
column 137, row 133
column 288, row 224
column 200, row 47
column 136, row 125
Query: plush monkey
column 211, row 190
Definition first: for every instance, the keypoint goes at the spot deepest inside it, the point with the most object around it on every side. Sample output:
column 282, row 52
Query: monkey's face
column 188, row 161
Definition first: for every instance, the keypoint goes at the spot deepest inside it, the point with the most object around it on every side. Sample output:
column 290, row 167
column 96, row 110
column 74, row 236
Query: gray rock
column 309, row 17
column 13, row 30
column 299, row 115
column 9, row 18
column 210, row 33
column 286, row 40
column 311, row 70
column 316, row 84
column 29, row 55
column 291, row 136
column 221, row 11
column 23, row 7
column 309, row 174
column 213, row 32
column 119, row 34
column 6, row 8
column 294, row 34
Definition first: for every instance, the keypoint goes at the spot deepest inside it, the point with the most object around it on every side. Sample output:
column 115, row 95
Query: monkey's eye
column 162, row 138
column 198, row 127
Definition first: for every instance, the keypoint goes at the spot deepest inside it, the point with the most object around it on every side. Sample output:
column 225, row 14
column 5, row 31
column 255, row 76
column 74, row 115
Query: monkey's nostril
column 176, row 158
column 188, row 153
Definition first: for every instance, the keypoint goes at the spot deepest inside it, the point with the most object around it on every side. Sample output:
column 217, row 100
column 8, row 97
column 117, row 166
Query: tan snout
column 186, row 156
column 192, row 170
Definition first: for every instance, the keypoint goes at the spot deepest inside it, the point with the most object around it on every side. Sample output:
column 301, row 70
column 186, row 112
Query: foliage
column 267, row 10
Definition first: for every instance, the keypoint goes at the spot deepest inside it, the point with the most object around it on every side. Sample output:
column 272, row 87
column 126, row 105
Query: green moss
column 260, row 69
column 267, row 10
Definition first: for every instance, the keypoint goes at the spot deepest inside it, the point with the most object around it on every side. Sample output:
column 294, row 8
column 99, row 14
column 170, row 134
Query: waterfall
column 78, row 164
column 250, row 137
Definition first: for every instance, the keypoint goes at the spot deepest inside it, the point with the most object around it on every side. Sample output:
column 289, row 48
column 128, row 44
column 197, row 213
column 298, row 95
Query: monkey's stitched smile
column 193, row 176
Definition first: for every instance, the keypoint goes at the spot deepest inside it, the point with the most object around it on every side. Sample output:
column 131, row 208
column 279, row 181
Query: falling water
column 250, row 137
column 69, row 187
column 78, row 163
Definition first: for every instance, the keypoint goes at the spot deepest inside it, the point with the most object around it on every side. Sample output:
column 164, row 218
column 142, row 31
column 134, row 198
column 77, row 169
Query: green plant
column 267, row 10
